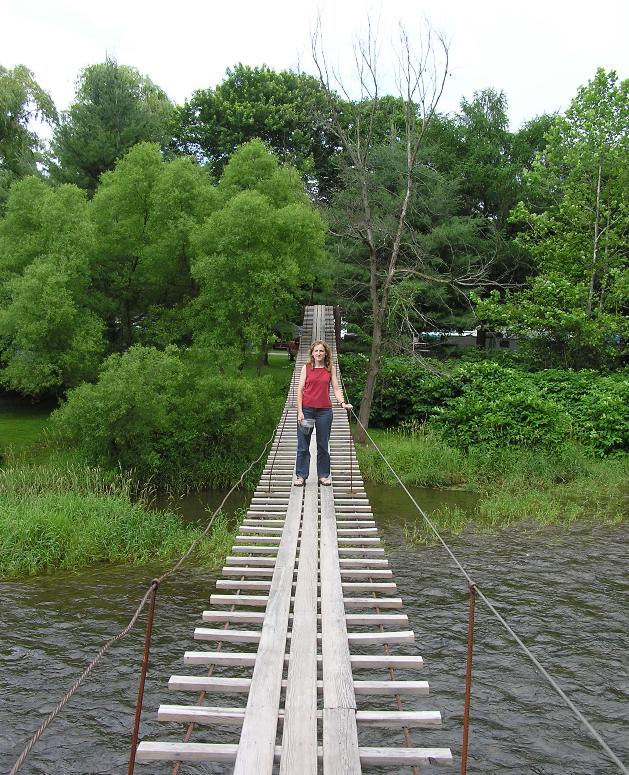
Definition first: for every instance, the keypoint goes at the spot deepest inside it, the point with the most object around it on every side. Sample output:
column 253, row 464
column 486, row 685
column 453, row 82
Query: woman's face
column 319, row 353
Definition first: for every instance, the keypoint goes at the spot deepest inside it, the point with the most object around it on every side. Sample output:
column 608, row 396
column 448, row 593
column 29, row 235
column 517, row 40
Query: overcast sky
column 538, row 51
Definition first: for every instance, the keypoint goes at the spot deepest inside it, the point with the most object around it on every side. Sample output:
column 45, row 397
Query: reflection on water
column 565, row 590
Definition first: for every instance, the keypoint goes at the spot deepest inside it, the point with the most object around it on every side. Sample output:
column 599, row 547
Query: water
column 565, row 591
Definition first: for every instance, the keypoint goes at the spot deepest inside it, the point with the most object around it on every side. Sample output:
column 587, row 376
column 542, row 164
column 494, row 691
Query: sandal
column 299, row 481
column 326, row 481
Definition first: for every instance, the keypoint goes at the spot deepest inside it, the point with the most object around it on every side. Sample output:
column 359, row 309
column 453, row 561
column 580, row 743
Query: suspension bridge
column 306, row 608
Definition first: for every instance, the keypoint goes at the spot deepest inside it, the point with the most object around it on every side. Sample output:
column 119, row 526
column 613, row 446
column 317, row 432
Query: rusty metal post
column 145, row 663
column 468, row 679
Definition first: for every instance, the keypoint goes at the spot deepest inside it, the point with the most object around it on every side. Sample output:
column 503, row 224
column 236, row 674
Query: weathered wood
column 299, row 739
column 340, row 741
column 257, row 741
column 340, row 736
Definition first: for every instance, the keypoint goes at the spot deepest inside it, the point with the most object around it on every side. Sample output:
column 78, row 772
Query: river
column 564, row 590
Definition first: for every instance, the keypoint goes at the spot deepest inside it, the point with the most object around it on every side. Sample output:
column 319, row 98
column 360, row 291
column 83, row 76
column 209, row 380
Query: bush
column 490, row 403
column 523, row 419
column 168, row 417
column 405, row 390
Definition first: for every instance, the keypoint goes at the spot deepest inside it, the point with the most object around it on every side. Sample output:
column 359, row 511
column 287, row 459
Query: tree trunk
column 597, row 230
column 372, row 374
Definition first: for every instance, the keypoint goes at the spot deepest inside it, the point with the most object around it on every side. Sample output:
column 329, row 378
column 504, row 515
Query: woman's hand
column 345, row 405
column 300, row 417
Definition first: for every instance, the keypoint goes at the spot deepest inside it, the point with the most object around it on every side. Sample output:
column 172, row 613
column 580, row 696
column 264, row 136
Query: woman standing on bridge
column 313, row 404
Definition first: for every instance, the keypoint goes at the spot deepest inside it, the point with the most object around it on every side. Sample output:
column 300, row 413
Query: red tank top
column 317, row 388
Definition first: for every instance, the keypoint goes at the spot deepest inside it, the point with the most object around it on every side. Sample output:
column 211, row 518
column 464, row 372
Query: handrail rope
column 154, row 583
column 499, row 617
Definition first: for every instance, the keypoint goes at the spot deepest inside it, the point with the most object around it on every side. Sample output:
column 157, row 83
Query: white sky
column 538, row 51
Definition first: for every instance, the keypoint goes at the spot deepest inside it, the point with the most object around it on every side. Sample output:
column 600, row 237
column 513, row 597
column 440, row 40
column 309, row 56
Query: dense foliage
column 575, row 226
column 115, row 108
column 159, row 255
column 168, row 416
column 21, row 100
column 487, row 403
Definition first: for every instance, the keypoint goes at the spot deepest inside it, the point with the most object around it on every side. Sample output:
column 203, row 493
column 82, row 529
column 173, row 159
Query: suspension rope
column 153, row 585
column 592, row 731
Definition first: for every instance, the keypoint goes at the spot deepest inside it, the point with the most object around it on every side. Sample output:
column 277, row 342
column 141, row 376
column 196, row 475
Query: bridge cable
column 154, row 583
column 592, row 731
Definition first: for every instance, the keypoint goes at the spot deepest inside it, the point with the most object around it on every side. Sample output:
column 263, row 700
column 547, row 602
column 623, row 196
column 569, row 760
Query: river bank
column 510, row 485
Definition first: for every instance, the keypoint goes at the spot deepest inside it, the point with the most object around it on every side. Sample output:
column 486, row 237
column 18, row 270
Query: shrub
column 167, row 417
column 405, row 390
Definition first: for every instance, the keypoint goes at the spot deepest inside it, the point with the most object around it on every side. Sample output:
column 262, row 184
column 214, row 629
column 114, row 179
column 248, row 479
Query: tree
column 281, row 108
column 144, row 213
column 575, row 226
column 379, row 200
column 257, row 252
column 115, row 108
column 21, row 100
column 50, row 339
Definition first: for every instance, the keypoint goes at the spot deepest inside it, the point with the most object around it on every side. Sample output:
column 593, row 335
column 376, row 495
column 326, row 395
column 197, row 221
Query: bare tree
column 420, row 72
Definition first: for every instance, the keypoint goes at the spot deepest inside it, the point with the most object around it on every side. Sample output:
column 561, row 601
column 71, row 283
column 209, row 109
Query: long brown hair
column 327, row 361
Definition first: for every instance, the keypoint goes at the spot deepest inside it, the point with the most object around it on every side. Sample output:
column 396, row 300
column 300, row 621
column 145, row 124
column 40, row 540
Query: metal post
column 145, row 663
column 468, row 679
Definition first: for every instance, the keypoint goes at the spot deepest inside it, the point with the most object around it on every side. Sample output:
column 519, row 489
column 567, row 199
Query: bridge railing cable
column 134, row 618
column 542, row 670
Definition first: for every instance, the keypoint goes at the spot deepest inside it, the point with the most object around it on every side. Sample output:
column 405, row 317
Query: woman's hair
column 327, row 361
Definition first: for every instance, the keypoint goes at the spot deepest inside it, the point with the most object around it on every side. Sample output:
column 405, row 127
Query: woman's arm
column 338, row 393
column 300, row 393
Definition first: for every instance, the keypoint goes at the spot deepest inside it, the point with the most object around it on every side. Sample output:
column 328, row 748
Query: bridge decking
column 306, row 570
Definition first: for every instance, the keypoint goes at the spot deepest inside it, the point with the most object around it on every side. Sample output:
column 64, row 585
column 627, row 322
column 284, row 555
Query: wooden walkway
column 303, row 603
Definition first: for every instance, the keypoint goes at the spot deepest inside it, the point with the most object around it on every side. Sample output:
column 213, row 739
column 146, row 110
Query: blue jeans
column 323, row 424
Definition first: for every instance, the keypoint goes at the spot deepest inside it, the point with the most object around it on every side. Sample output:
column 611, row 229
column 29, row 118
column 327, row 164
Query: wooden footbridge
column 305, row 608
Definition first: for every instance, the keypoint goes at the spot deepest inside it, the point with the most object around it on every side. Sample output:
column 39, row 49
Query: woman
column 313, row 403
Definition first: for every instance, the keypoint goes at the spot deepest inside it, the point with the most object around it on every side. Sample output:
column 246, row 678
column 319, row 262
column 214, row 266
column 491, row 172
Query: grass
column 58, row 513
column 514, row 484
column 22, row 425
column 69, row 518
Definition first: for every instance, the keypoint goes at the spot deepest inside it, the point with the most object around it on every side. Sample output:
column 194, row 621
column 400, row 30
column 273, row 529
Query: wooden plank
column 206, row 715
column 340, row 736
column 299, row 738
column 404, row 757
column 359, row 661
column 257, row 741
column 241, row 685
column 340, row 741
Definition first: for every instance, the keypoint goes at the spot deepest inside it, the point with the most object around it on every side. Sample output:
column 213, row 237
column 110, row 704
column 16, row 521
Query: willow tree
column 378, row 216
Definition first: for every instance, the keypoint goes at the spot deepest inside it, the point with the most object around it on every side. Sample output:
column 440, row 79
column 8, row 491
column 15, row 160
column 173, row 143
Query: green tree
column 257, row 252
column 283, row 109
column 115, row 108
column 575, row 226
column 50, row 339
column 144, row 212
column 21, row 100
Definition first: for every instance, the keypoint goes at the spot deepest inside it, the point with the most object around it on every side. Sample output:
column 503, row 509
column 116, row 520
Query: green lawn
column 21, row 423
